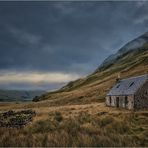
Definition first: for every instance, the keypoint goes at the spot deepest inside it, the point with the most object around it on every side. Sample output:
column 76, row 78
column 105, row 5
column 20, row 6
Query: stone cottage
column 131, row 93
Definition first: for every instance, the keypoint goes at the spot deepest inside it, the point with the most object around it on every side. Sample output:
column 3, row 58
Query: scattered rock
column 101, row 113
column 16, row 119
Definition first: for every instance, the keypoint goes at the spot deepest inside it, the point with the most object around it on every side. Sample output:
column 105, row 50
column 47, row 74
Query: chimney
column 147, row 74
column 118, row 78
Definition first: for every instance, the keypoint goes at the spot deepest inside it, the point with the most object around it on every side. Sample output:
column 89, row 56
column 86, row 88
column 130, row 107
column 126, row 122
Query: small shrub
column 106, row 120
column 42, row 126
column 71, row 126
column 118, row 126
column 89, row 129
column 84, row 117
column 36, row 99
column 58, row 116
column 45, row 140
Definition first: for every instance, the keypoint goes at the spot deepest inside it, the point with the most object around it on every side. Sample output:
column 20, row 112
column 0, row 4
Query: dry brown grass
column 80, row 125
column 43, row 111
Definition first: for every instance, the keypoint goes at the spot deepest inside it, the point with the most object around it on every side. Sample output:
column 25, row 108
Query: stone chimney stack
column 147, row 74
column 118, row 77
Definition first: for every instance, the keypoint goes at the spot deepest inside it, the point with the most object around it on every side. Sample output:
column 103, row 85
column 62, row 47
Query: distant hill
column 18, row 95
column 130, row 60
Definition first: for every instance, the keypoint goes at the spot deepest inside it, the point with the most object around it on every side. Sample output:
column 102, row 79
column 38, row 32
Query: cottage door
column 117, row 102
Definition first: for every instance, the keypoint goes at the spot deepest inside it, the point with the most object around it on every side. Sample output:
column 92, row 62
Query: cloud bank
column 50, row 38
column 35, row 80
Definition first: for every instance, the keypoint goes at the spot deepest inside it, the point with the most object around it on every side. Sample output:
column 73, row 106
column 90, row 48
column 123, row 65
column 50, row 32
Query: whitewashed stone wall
column 130, row 101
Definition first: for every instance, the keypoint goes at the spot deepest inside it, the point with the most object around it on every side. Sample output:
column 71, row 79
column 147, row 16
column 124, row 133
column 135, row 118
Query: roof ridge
column 134, row 77
column 125, row 85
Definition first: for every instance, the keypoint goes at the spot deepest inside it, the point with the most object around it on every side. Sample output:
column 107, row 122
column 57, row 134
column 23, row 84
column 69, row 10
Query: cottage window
column 110, row 100
column 131, row 84
column 126, row 101
column 117, row 101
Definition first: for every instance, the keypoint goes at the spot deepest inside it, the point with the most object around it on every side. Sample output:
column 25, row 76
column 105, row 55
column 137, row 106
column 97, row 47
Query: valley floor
column 77, row 125
column 66, row 110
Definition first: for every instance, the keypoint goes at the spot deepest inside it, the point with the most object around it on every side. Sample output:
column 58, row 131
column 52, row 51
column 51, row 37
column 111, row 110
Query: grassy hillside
column 94, row 87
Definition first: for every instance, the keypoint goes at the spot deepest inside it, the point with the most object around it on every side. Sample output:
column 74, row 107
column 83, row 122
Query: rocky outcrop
column 16, row 119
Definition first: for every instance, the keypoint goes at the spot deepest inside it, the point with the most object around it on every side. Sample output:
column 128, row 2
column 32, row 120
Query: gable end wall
column 141, row 97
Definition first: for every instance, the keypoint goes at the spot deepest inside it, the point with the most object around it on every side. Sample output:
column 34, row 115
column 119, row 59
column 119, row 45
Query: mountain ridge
column 132, row 45
column 94, row 87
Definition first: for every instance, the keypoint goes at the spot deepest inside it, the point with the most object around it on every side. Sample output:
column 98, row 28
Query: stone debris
column 16, row 119
column 101, row 113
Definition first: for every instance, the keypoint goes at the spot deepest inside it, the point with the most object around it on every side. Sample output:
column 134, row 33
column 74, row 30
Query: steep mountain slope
column 15, row 95
column 130, row 60
column 131, row 46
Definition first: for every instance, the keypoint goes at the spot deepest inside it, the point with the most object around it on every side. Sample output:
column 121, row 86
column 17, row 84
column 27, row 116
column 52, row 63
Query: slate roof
column 128, row 86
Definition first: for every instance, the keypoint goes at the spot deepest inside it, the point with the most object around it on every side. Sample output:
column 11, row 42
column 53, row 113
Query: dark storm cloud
column 67, row 37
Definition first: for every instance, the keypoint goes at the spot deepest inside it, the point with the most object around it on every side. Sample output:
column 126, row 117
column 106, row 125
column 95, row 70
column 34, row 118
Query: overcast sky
column 44, row 45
